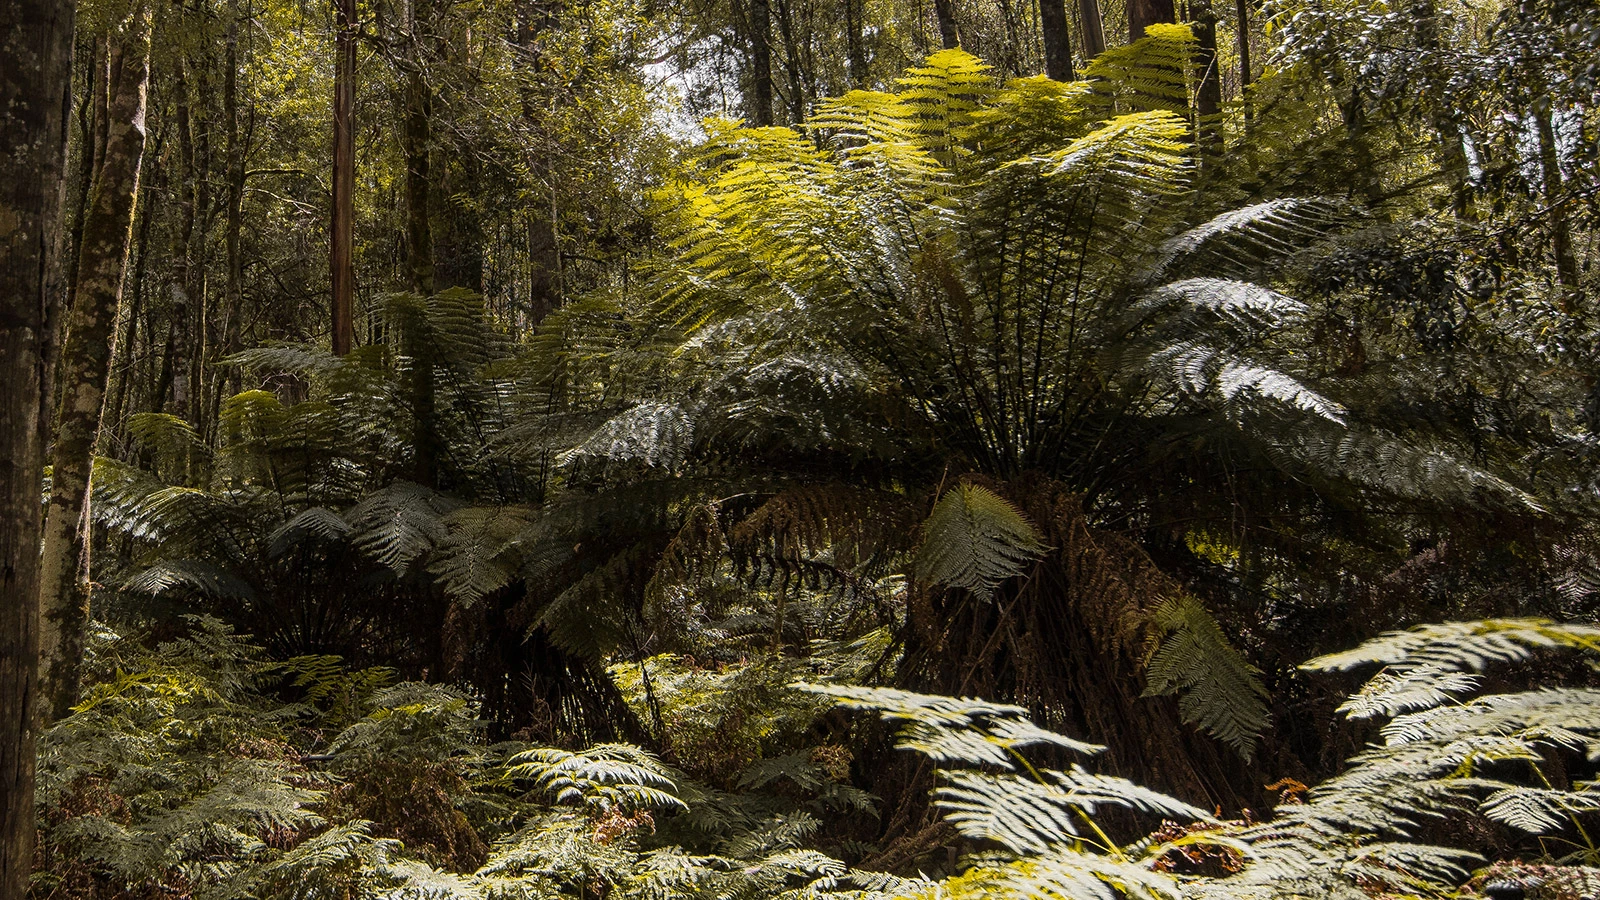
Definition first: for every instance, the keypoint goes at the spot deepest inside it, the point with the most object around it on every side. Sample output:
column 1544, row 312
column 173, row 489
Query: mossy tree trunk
column 86, row 361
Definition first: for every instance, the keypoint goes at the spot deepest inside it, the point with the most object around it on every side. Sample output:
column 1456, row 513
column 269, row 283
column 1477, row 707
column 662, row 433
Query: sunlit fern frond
column 601, row 778
column 1462, row 646
column 952, row 731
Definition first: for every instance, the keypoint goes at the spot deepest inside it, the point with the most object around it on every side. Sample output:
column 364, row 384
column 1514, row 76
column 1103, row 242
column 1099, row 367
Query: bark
column 1144, row 13
column 793, row 62
column 1094, row 28
column 342, row 239
column 945, row 12
column 417, row 140
column 760, row 63
column 86, row 359
column 1053, row 29
column 35, row 80
column 1208, row 92
column 417, row 137
column 1247, row 75
column 855, row 40
column 542, row 238
column 235, row 212
column 1560, row 228
column 123, row 344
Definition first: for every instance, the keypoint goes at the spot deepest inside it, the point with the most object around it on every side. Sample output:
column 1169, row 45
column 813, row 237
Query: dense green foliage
column 669, row 447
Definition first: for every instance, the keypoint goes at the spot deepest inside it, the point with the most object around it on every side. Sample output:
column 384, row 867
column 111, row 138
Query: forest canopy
column 611, row 449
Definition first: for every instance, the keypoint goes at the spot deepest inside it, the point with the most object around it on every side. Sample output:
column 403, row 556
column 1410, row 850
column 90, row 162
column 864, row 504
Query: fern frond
column 966, row 731
column 601, row 778
column 1217, row 689
column 974, row 539
column 1461, row 646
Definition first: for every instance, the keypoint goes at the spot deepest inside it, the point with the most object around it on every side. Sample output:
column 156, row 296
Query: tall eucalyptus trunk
column 86, row 360
column 36, row 54
column 341, row 258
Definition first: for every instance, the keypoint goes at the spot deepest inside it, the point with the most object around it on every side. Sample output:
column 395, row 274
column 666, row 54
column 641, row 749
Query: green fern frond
column 1217, row 689
column 1461, row 646
column 966, row 731
column 400, row 523
column 974, row 539
column 601, row 778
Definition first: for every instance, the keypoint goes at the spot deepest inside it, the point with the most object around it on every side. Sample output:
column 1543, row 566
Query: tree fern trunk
column 36, row 54
column 86, row 358
column 1067, row 641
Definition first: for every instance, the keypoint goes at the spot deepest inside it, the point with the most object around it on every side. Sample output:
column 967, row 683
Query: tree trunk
column 760, row 63
column 1094, row 28
column 342, row 238
column 945, row 12
column 1560, row 228
column 1144, row 13
column 542, row 238
column 1208, row 92
column 86, row 359
column 417, row 139
column 855, row 38
column 1247, row 75
column 36, row 54
column 794, row 64
column 1053, row 29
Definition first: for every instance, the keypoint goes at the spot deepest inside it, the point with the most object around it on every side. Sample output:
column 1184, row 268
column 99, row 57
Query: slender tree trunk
column 855, row 40
column 86, row 359
column 1247, row 75
column 945, row 12
column 1560, row 228
column 234, row 225
column 1054, row 30
column 342, row 261
column 542, row 237
column 794, row 65
column 1208, row 91
column 36, row 55
column 123, row 345
column 1144, row 13
column 1094, row 28
column 418, row 140
column 760, row 63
